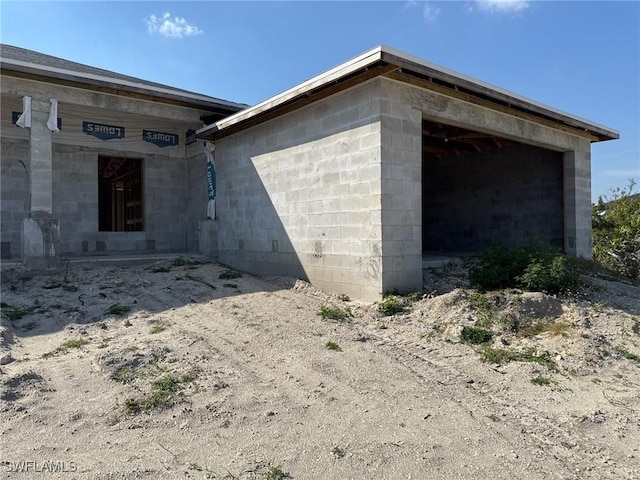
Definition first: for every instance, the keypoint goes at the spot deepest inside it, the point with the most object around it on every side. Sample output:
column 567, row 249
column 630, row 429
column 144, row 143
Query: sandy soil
column 232, row 378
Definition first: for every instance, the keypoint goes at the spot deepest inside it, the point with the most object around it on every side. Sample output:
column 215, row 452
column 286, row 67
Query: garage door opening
column 120, row 199
column 478, row 188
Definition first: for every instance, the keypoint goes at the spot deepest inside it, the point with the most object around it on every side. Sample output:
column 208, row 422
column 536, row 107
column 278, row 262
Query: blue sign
column 211, row 180
column 160, row 139
column 191, row 137
column 101, row 131
column 16, row 115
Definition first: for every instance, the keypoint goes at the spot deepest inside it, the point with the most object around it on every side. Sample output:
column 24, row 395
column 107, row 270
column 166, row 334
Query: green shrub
column 335, row 313
column 541, row 381
column 118, row 309
column 333, row 346
column 391, row 305
column 533, row 266
column 616, row 232
column 502, row 356
column 229, row 275
column 475, row 335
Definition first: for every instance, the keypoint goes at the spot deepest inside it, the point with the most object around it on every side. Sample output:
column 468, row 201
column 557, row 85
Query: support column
column 40, row 230
column 577, row 201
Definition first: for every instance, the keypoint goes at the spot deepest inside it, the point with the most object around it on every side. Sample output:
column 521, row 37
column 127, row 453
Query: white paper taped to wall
column 24, row 120
column 52, row 123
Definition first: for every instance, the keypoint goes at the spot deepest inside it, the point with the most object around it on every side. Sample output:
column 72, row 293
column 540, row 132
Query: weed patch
column 335, row 313
column 162, row 392
column 541, row 381
column 333, row 346
column 157, row 329
column 229, row 275
column 160, row 269
column 475, row 335
column 534, row 267
column 391, row 305
column 64, row 347
column 276, row 473
column 338, row 452
column 493, row 417
column 627, row 354
column 118, row 309
column 126, row 375
column 552, row 328
column 16, row 313
column 502, row 356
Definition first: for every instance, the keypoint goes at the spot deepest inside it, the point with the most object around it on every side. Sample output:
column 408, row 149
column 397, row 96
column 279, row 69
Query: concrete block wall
column 577, row 201
column 15, row 165
column 300, row 195
column 75, row 200
column 401, row 194
column 197, row 204
column 513, row 195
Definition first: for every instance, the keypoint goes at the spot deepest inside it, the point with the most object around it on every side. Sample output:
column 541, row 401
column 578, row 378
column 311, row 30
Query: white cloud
column 173, row 27
column 503, row 6
column 430, row 13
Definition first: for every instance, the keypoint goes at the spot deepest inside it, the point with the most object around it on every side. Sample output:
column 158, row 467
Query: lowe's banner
column 211, row 182
column 101, row 131
column 160, row 139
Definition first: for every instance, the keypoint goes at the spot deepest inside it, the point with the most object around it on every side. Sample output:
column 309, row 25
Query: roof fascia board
column 361, row 61
column 100, row 80
column 441, row 73
column 421, row 67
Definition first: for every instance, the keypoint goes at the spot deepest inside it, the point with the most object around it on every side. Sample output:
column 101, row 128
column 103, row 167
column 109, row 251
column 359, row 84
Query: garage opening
column 120, row 198
column 478, row 188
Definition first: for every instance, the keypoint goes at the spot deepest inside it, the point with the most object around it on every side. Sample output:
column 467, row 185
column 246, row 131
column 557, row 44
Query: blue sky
column 581, row 57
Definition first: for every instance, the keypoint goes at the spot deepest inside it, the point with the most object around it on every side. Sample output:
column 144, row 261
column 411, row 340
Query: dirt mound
column 186, row 369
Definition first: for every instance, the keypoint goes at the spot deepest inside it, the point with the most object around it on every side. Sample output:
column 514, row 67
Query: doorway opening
column 478, row 188
column 120, row 194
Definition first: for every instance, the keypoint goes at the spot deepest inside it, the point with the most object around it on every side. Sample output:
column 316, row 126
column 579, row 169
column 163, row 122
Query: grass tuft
column 64, row 347
column 502, row 356
column 157, row 329
column 160, row 269
column 475, row 335
column 229, row 275
column 118, row 309
column 391, row 305
column 627, row 354
column 333, row 346
column 335, row 313
column 338, row 452
column 16, row 313
column 541, row 381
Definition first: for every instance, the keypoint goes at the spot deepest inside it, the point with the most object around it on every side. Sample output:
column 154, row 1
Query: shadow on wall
column 297, row 200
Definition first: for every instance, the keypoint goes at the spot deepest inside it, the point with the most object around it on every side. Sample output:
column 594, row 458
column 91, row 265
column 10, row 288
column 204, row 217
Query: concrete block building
column 113, row 172
column 345, row 180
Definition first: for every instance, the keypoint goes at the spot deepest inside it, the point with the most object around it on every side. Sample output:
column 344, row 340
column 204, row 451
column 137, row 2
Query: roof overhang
column 390, row 63
column 116, row 86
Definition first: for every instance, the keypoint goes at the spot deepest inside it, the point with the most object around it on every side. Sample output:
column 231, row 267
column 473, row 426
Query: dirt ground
column 167, row 371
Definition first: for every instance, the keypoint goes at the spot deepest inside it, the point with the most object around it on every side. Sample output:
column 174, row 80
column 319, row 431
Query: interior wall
column 512, row 195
